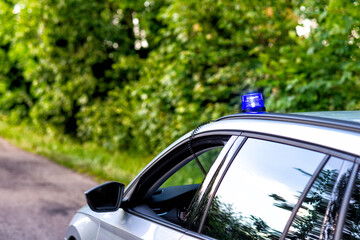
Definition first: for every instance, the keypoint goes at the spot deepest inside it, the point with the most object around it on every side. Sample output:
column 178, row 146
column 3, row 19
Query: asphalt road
column 37, row 197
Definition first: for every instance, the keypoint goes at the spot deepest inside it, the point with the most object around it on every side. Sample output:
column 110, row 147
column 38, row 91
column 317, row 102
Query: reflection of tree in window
column 318, row 213
column 334, row 205
column 315, row 219
column 352, row 222
column 224, row 223
column 245, row 203
column 308, row 222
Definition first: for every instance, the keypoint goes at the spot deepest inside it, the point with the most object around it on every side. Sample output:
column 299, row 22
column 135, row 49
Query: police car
column 253, row 175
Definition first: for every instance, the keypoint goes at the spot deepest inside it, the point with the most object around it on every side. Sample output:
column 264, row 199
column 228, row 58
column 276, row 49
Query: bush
column 136, row 74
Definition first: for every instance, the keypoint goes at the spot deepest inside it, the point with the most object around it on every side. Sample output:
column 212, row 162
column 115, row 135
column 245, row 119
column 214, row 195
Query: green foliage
column 138, row 74
column 209, row 54
column 320, row 72
column 61, row 58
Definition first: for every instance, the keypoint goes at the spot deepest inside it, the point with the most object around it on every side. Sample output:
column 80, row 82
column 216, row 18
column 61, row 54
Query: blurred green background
column 135, row 75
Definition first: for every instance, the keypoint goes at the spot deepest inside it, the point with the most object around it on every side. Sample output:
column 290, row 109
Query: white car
column 253, row 175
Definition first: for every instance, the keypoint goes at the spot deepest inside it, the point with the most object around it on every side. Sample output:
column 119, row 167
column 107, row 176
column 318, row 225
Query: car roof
column 352, row 116
column 345, row 120
column 335, row 129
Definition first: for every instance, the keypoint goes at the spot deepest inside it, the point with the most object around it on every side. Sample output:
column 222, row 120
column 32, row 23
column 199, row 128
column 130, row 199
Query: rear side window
column 259, row 191
column 318, row 214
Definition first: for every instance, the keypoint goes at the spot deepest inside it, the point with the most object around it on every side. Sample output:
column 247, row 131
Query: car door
column 164, row 191
column 275, row 190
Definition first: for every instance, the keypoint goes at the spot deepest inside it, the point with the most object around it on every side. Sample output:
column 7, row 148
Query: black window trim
column 197, row 207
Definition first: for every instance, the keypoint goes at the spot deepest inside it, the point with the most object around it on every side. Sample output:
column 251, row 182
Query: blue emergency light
column 252, row 103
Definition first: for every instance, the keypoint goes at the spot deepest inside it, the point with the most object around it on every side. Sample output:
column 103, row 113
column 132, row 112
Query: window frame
column 169, row 160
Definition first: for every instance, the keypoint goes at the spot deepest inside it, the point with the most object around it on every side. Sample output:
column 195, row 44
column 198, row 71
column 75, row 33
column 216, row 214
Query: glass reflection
column 318, row 213
column 259, row 191
column 352, row 222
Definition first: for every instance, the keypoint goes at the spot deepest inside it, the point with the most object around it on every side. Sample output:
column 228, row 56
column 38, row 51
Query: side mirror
column 105, row 197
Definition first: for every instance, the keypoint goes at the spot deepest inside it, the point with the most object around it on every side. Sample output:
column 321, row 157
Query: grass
column 87, row 158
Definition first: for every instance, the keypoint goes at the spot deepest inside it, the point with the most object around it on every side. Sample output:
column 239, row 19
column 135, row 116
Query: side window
column 316, row 218
column 259, row 191
column 174, row 189
column 191, row 172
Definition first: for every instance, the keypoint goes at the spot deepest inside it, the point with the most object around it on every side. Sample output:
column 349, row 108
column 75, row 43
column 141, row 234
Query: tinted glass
column 316, row 218
column 263, row 176
column 191, row 172
column 352, row 222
